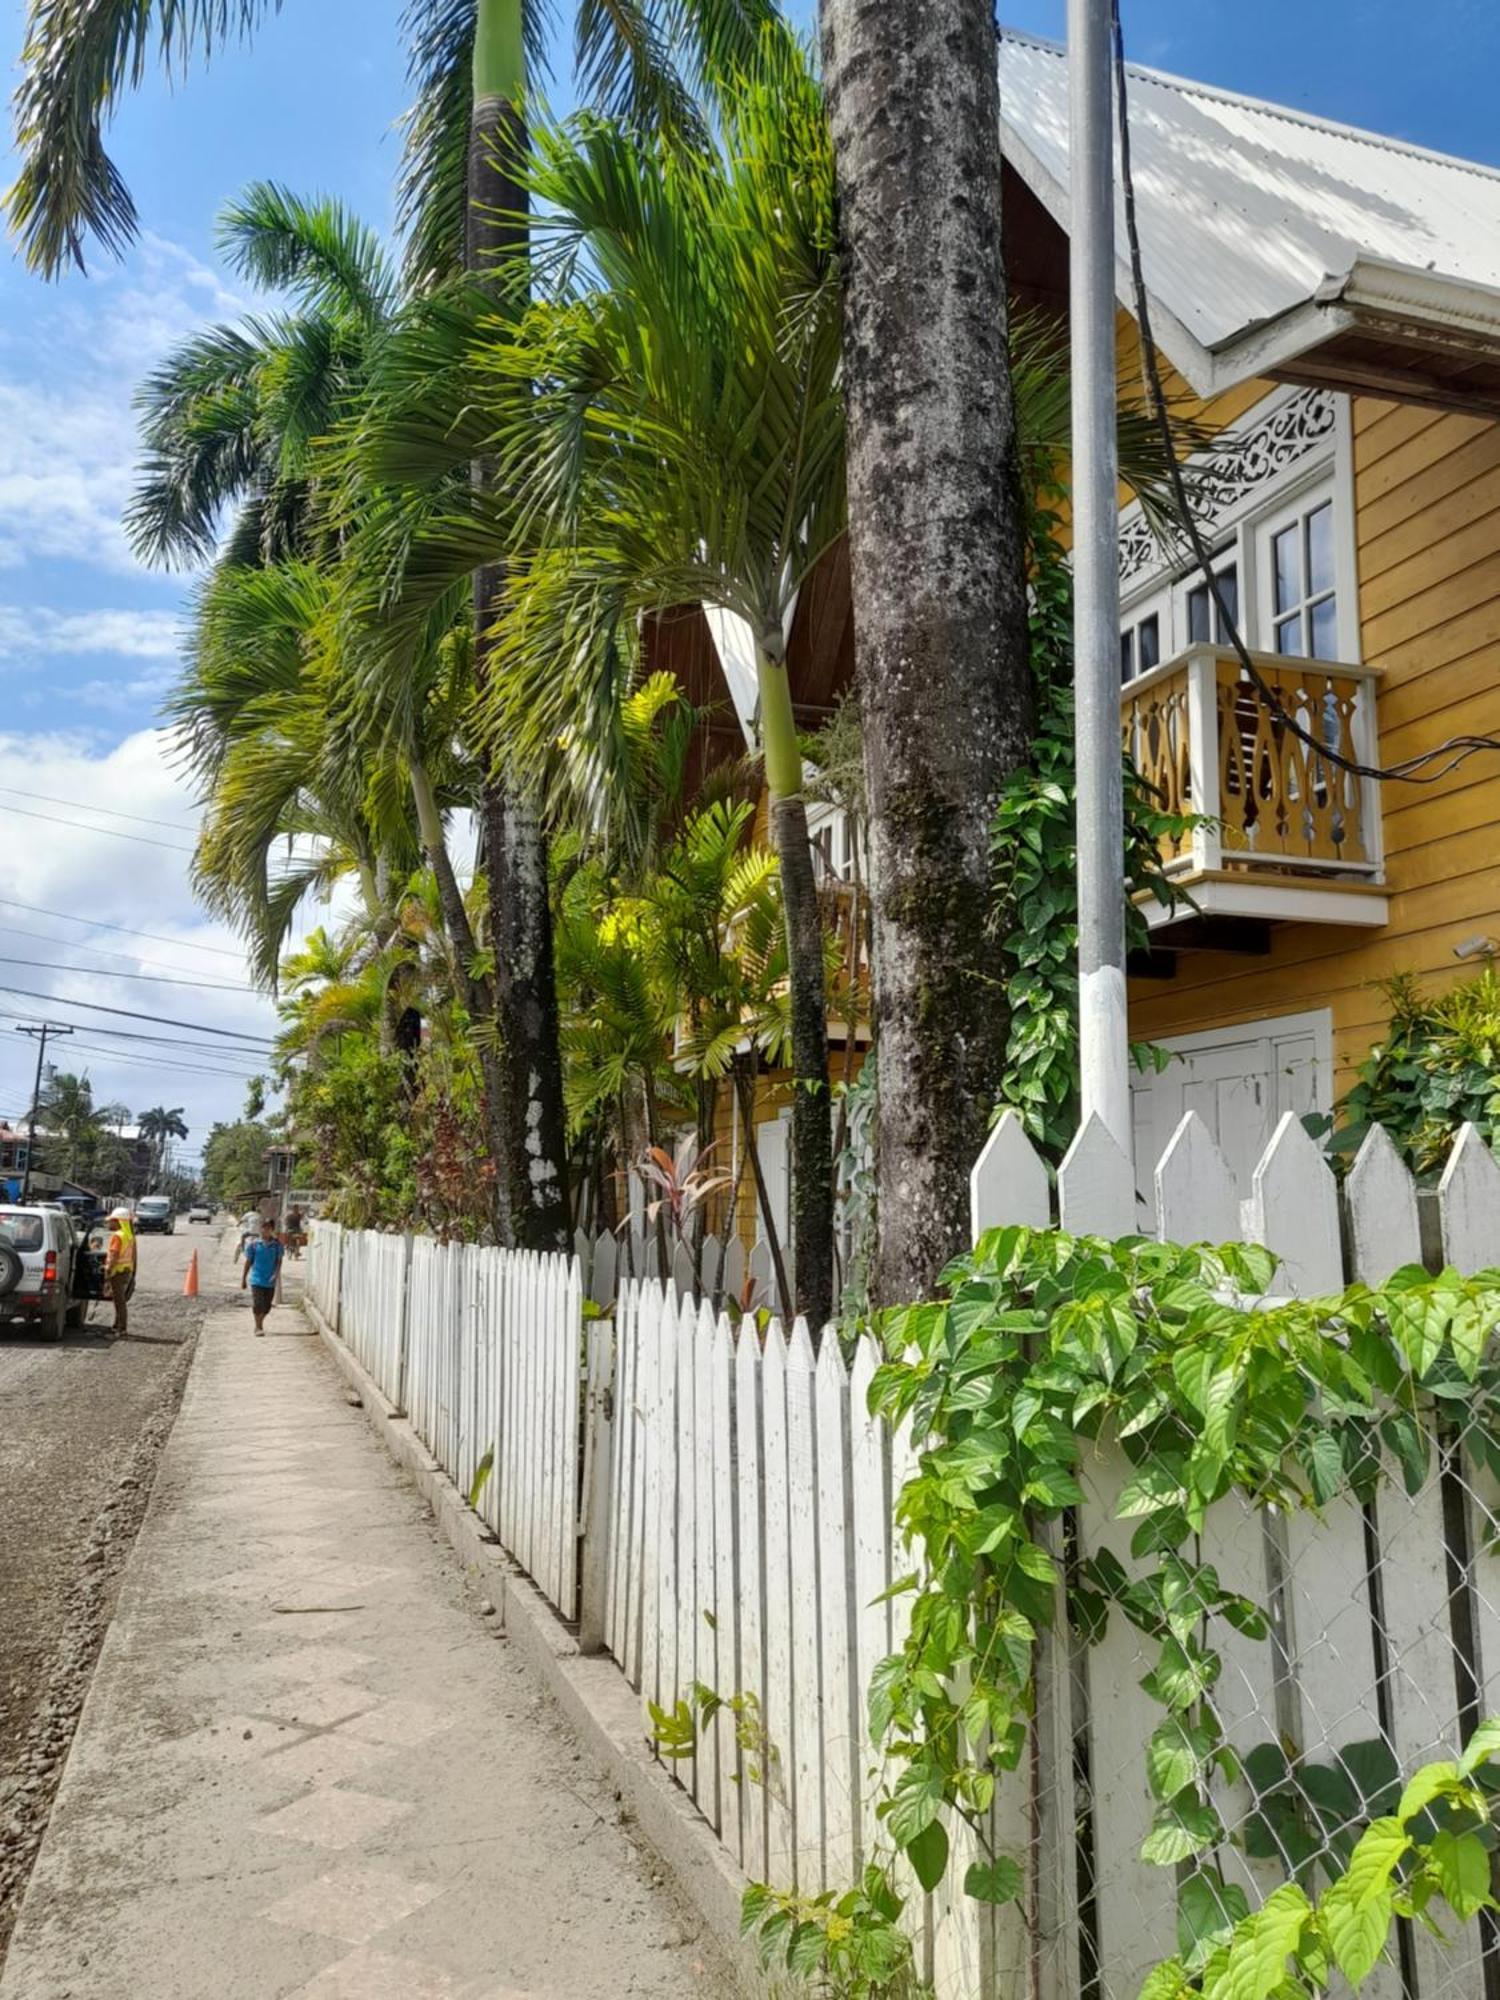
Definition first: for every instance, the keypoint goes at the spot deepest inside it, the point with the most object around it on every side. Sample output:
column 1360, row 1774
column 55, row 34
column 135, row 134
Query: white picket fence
column 726, row 1505
column 721, row 1272
column 482, row 1350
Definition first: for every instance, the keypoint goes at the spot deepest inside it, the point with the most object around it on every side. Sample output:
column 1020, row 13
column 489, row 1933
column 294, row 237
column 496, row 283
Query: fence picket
column 1384, row 1227
column 779, row 1715
column 838, row 1615
column 870, row 1480
column 802, row 1522
column 1294, row 1210
column 749, row 1410
column 705, row 1633
column 1469, row 1203
column 1008, row 1183
column 1196, row 1198
column 726, row 1586
column 1095, row 1186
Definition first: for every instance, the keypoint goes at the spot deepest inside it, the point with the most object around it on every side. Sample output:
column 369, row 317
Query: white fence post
column 594, row 1527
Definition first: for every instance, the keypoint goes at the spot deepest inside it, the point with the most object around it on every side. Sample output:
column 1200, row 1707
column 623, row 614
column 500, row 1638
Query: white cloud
column 68, row 441
column 107, row 871
column 133, row 635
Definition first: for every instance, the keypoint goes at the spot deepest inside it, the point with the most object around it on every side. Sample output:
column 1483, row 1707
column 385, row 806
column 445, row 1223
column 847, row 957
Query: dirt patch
column 85, row 1427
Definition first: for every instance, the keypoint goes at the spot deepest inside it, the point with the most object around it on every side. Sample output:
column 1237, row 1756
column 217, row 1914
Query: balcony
column 1284, row 835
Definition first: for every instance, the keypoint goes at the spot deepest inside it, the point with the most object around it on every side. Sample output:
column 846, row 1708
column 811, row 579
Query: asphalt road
column 72, row 1420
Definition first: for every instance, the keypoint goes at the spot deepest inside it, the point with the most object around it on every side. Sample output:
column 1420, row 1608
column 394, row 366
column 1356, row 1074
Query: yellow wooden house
column 1328, row 301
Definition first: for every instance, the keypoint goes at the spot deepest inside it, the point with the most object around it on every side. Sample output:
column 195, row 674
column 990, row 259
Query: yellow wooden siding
column 1427, row 532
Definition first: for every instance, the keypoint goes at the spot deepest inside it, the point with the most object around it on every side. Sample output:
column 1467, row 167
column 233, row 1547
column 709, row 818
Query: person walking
column 119, row 1267
column 262, row 1269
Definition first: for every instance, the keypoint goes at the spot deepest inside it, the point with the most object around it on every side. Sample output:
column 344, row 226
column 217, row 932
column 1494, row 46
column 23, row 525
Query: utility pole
column 1103, row 1037
column 42, row 1030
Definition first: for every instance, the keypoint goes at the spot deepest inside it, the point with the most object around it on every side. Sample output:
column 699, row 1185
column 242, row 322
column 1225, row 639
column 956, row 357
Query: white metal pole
column 1103, row 1035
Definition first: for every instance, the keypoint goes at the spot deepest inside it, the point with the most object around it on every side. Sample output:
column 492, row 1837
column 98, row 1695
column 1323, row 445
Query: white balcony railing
column 1210, row 744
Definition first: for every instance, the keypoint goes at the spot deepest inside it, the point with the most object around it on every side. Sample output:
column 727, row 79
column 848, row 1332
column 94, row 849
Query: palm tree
column 469, row 63
column 673, row 434
column 157, row 1127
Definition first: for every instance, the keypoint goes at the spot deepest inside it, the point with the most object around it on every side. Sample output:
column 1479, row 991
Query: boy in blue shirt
column 262, row 1268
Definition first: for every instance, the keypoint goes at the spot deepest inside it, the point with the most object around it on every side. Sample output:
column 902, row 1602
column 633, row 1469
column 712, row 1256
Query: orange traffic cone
column 190, row 1282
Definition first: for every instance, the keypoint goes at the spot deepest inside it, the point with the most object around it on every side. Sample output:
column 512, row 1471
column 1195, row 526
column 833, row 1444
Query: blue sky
column 87, row 639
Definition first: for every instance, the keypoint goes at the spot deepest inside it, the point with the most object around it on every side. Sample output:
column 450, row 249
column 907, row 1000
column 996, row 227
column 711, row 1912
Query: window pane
column 1229, row 597
column 1286, row 562
column 1197, row 614
column 1289, row 634
column 1320, row 549
column 1325, row 629
column 1127, row 656
column 1149, row 636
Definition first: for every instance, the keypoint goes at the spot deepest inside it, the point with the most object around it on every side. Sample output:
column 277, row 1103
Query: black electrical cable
column 130, row 1014
column 1411, row 771
column 99, row 924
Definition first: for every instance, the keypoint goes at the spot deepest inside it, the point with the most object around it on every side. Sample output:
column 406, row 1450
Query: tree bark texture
column 527, row 1122
column 812, row 1119
column 937, row 554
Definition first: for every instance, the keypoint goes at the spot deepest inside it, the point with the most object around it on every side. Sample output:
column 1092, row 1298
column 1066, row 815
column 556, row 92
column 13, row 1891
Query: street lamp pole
column 1103, row 1034
column 42, row 1030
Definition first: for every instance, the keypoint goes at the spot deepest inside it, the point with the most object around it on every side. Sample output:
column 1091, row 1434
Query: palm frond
column 78, row 60
column 330, row 262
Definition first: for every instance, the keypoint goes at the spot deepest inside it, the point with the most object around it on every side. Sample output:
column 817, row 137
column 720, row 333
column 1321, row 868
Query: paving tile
column 237, row 1739
column 376, row 1975
column 354, row 1904
column 326, row 1759
column 401, row 1723
column 318, row 1662
column 321, row 1707
column 335, row 1819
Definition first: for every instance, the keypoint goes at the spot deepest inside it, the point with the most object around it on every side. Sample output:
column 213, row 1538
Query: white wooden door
column 1239, row 1080
column 775, row 1142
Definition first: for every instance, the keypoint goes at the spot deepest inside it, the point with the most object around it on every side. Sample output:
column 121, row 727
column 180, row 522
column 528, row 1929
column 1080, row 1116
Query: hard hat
column 119, row 1215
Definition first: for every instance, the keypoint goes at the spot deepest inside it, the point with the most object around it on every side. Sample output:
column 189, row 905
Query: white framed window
column 1283, row 554
column 1299, row 579
column 1146, row 636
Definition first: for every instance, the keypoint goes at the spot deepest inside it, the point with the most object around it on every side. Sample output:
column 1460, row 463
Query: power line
column 109, row 812
column 99, row 924
column 86, row 944
column 129, row 1014
column 252, row 1057
column 105, row 972
column 109, row 832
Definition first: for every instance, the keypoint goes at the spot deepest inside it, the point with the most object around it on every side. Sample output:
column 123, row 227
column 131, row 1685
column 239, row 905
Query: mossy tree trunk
column 527, row 1121
column 936, row 537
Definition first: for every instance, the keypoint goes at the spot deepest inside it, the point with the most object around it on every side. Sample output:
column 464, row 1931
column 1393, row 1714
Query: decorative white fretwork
column 1222, row 480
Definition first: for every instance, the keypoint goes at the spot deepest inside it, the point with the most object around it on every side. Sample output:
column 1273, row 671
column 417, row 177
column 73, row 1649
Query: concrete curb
column 599, row 1704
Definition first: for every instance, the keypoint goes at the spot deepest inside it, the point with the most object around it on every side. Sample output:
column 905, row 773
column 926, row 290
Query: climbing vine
column 1045, row 1347
column 1033, row 849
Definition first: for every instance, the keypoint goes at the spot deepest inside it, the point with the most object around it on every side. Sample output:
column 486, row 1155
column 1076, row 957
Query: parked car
column 154, row 1215
column 41, row 1261
column 200, row 1212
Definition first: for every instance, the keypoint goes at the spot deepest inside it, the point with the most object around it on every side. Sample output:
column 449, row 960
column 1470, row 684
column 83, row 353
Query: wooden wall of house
column 1428, row 539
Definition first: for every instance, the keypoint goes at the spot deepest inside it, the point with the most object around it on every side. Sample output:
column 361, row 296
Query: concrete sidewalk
column 308, row 1766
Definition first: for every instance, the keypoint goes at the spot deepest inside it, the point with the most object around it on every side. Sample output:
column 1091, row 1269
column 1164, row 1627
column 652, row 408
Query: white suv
column 38, row 1250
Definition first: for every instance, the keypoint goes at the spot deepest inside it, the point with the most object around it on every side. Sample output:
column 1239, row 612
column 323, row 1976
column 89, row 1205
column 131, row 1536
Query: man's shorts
column 262, row 1298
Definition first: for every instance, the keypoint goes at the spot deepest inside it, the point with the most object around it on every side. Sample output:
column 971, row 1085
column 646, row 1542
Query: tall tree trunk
column 937, row 559
column 475, row 993
column 812, row 1122
column 528, row 1121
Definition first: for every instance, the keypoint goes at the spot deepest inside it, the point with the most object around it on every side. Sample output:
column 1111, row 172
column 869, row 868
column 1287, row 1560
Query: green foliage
column 234, row 1163
column 1432, row 1847
column 850, row 1944
column 1438, row 1067
column 1034, row 849
column 1047, row 1347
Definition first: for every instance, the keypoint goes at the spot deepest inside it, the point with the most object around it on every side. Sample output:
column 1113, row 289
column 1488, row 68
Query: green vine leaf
column 998, row 1881
column 1461, row 1864
column 928, row 1854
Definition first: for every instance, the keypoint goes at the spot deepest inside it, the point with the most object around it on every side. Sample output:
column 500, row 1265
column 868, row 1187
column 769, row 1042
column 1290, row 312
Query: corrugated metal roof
column 1247, row 209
